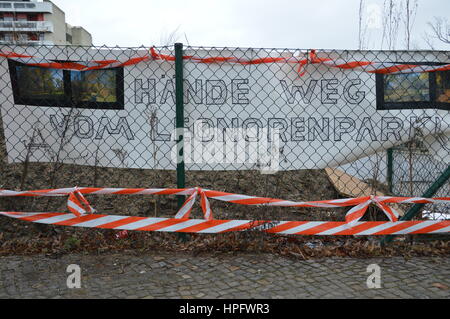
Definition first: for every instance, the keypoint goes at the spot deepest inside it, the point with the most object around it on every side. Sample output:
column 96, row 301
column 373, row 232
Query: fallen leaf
column 440, row 286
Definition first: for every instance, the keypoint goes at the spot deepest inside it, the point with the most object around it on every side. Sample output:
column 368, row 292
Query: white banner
column 325, row 118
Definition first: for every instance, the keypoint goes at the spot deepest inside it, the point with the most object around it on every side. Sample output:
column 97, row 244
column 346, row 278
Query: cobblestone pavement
column 176, row 275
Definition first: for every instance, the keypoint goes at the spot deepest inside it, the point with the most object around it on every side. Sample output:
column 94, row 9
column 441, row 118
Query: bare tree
column 392, row 17
column 427, row 38
column 440, row 30
column 362, row 27
column 410, row 16
column 168, row 39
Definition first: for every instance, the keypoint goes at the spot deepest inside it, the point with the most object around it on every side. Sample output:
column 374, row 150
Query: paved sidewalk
column 176, row 275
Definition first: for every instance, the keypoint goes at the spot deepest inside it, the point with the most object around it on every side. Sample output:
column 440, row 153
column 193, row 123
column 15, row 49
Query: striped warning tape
column 353, row 215
column 82, row 213
column 360, row 204
column 78, row 205
column 215, row 226
column 99, row 191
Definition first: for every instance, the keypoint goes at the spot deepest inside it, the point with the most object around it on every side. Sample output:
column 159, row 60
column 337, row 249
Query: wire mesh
column 114, row 126
column 414, row 171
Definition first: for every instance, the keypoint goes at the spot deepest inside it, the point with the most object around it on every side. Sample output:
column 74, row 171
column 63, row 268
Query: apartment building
column 32, row 22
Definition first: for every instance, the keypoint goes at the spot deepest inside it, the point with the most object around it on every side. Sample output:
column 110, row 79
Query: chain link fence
column 414, row 171
column 331, row 115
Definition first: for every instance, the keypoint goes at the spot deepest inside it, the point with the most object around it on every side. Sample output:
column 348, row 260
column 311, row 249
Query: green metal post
column 179, row 124
column 179, row 118
column 438, row 183
column 390, row 168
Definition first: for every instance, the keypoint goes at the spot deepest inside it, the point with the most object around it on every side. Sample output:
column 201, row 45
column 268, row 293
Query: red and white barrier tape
column 353, row 215
column 99, row 191
column 186, row 209
column 79, row 206
column 312, row 58
column 221, row 226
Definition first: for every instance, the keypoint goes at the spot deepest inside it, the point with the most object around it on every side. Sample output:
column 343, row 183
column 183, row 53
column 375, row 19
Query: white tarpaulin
column 326, row 117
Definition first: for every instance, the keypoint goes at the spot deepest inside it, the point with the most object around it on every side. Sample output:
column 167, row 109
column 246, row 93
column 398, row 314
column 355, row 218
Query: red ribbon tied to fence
column 310, row 58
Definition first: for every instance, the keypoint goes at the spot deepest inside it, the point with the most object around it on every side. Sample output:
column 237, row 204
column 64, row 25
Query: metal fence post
column 390, row 168
column 179, row 118
column 179, row 107
column 416, row 208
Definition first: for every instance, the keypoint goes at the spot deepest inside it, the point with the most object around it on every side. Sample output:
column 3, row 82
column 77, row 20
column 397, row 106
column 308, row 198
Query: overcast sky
column 319, row 24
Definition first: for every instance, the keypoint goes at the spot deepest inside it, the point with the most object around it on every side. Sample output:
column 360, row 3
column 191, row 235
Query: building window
column 96, row 89
column 22, row 37
column 8, row 37
column 21, row 17
column 427, row 90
